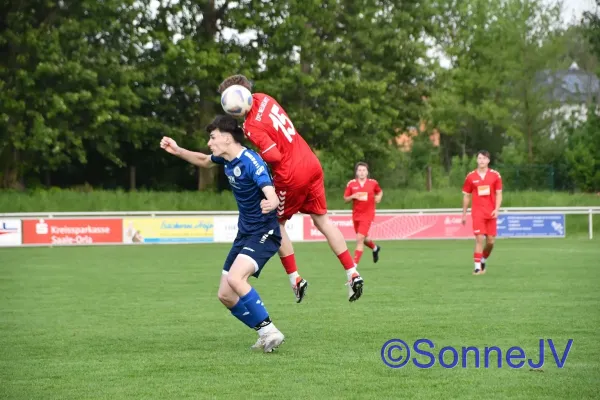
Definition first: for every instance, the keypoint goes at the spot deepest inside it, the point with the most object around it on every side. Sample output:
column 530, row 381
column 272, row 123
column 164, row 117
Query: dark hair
column 484, row 153
column 227, row 123
column 361, row 164
column 235, row 80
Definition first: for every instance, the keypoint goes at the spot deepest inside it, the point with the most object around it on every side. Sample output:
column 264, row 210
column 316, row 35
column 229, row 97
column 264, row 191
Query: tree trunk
column 10, row 174
column 132, row 178
column 429, row 180
column 206, row 178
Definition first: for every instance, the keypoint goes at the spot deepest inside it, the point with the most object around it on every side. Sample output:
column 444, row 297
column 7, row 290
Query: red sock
column 357, row 255
column 477, row 257
column 346, row 260
column 370, row 244
column 289, row 263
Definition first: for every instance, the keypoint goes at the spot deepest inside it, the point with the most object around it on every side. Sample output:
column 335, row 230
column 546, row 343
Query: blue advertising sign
column 531, row 225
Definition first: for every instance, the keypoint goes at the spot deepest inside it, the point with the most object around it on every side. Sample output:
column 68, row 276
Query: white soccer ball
column 236, row 100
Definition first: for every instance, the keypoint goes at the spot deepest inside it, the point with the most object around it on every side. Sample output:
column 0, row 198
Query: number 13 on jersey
column 281, row 122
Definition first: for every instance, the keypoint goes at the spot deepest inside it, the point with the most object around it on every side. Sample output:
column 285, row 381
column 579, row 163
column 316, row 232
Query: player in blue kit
column 259, row 235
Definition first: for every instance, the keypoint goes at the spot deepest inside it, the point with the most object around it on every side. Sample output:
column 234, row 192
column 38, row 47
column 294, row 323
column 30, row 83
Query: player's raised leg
column 337, row 243
column 316, row 206
column 288, row 260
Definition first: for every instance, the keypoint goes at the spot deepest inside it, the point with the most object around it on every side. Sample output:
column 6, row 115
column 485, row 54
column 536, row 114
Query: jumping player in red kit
column 484, row 185
column 299, row 182
column 363, row 192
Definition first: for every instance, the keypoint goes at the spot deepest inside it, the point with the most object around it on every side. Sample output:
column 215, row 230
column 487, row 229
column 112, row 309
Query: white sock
column 482, row 260
column 477, row 266
column 293, row 277
column 351, row 271
column 266, row 329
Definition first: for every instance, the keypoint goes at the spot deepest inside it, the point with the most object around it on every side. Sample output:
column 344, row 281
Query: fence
column 156, row 227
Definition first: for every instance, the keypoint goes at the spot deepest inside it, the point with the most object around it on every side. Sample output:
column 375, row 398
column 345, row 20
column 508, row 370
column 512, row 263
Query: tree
column 490, row 96
column 583, row 153
column 349, row 73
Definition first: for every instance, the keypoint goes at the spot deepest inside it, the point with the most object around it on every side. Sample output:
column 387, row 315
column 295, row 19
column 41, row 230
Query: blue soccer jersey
column 247, row 175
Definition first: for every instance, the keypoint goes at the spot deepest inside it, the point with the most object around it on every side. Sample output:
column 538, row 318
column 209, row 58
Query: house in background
column 404, row 141
column 574, row 90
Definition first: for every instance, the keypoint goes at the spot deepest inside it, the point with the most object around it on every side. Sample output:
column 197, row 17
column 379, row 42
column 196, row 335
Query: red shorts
column 362, row 227
column 307, row 199
column 485, row 226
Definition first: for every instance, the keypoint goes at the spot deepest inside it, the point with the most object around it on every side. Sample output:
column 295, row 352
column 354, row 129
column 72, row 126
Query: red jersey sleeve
column 499, row 183
column 376, row 187
column 348, row 190
column 261, row 139
column 467, row 186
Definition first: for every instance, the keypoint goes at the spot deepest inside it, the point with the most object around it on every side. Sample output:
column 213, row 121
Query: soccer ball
column 236, row 100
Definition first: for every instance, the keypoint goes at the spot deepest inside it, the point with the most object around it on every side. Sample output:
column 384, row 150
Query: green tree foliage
column 87, row 88
column 583, row 153
column 349, row 73
column 490, row 96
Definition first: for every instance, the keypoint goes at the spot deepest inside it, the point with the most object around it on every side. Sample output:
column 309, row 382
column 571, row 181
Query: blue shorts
column 259, row 248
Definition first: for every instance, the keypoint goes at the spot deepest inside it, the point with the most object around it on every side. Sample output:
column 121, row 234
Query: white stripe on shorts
column 251, row 259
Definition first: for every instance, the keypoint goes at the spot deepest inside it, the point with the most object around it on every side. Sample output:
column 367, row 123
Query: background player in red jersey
column 484, row 185
column 299, row 182
column 364, row 193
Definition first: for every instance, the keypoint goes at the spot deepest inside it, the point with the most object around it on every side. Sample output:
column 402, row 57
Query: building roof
column 571, row 85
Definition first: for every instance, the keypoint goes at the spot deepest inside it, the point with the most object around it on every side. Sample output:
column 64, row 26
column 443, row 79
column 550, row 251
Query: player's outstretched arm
column 271, row 202
column 196, row 158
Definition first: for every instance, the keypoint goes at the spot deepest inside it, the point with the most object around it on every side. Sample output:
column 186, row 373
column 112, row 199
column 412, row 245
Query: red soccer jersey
column 363, row 208
column 269, row 128
column 483, row 191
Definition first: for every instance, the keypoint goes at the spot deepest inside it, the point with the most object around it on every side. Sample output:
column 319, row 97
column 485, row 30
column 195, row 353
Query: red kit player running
column 485, row 186
column 364, row 193
column 299, row 182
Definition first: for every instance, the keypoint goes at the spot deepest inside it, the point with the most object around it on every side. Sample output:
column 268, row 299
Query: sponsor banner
column 395, row 227
column 531, row 225
column 168, row 230
column 72, row 231
column 226, row 228
column 10, row 232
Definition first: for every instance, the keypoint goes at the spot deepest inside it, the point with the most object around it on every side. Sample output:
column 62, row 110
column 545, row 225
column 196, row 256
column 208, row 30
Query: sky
column 575, row 8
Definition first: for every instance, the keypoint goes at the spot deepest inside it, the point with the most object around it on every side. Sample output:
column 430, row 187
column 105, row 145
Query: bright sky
column 575, row 8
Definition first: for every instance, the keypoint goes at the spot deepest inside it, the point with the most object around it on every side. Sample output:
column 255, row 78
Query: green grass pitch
column 145, row 323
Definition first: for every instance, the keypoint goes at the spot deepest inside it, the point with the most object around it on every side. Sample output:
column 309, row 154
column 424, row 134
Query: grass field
column 145, row 323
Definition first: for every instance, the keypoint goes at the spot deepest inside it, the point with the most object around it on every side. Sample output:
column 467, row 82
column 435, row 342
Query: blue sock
column 258, row 312
column 241, row 312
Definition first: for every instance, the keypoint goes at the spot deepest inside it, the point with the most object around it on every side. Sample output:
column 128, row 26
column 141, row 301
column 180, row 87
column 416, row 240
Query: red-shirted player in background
column 299, row 182
column 485, row 186
column 364, row 193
